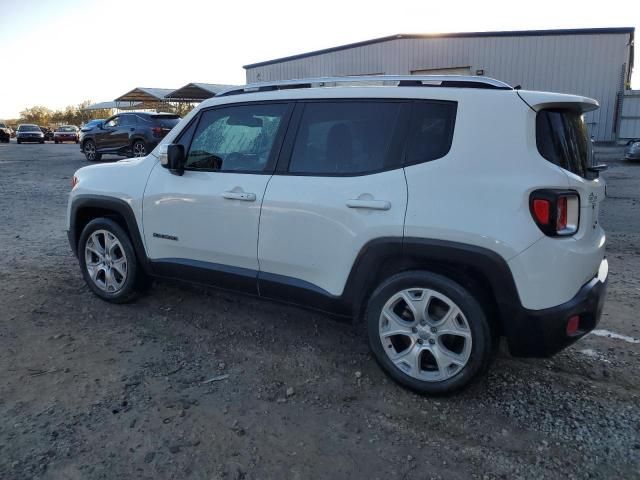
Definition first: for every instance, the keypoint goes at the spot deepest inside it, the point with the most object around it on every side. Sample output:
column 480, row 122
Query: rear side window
column 128, row 120
column 562, row 138
column 432, row 125
column 345, row 138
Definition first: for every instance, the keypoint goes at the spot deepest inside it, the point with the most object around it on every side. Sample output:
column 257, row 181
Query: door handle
column 369, row 204
column 245, row 197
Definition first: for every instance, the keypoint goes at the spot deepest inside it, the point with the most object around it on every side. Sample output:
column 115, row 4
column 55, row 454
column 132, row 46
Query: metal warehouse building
column 594, row 62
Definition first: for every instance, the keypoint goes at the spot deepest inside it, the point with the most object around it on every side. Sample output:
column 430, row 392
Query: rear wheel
column 90, row 152
column 428, row 332
column 108, row 261
column 56, row 141
column 19, row 142
column 139, row 148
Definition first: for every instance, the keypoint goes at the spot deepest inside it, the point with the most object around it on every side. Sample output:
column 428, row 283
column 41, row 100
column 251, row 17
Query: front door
column 207, row 219
column 106, row 136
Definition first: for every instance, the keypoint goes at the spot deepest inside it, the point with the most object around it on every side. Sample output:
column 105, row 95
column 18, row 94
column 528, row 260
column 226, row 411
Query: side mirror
column 172, row 157
column 100, row 125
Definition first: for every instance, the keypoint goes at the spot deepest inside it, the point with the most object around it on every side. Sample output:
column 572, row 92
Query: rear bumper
column 65, row 139
column 542, row 333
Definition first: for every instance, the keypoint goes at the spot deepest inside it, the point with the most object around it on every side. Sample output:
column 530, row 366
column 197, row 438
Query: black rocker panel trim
column 207, row 273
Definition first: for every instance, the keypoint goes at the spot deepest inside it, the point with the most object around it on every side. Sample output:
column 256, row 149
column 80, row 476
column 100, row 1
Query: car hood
column 30, row 133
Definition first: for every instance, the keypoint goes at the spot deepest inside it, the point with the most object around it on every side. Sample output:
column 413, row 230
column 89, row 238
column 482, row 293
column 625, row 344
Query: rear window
column 562, row 138
column 165, row 121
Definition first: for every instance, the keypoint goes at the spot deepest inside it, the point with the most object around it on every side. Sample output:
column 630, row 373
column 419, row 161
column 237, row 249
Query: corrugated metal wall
column 630, row 118
column 590, row 65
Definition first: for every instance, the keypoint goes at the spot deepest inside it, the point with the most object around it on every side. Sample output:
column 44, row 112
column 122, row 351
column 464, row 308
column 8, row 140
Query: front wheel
column 108, row 261
column 428, row 332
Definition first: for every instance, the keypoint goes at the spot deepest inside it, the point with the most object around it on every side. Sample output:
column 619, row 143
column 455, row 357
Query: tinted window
column 237, row 138
column 562, row 138
column 165, row 121
column 127, row 120
column 112, row 123
column 432, row 126
column 343, row 138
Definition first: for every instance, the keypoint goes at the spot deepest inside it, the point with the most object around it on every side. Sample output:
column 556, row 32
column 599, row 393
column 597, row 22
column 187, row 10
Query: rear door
column 339, row 184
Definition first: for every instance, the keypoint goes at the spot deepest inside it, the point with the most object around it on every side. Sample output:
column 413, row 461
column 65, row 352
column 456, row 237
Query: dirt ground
column 191, row 383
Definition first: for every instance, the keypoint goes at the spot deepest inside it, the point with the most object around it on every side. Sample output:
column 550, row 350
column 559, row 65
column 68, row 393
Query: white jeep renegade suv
column 443, row 211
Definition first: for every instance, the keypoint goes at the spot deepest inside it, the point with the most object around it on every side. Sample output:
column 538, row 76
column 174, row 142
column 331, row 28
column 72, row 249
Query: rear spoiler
column 541, row 100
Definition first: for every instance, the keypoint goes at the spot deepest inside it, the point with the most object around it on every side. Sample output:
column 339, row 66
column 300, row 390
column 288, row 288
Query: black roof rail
column 446, row 81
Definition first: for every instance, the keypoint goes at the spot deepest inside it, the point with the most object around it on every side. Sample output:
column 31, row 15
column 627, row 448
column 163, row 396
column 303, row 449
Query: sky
column 59, row 53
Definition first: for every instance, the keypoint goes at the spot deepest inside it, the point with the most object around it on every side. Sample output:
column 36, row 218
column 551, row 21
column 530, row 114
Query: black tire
column 134, row 274
column 19, row 142
column 41, row 141
column 481, row 338
column 56, row 142
column 92, row 155
column 138, row 146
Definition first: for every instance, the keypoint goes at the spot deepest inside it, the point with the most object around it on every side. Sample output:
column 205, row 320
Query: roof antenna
column 518, row 87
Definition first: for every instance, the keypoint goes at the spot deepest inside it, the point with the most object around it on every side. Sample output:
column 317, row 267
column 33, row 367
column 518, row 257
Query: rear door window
column 346, row 138
column 562, row 138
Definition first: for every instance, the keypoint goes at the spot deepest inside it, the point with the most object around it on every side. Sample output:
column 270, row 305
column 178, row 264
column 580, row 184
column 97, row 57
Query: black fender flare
column 397, row 254
column 107, row 204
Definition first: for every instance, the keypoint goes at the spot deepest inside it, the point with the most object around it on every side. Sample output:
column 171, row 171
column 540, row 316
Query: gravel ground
column 200, row 384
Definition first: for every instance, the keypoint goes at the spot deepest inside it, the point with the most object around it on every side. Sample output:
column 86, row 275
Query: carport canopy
column 112, row 105
column 196, row 92
column 147, row 95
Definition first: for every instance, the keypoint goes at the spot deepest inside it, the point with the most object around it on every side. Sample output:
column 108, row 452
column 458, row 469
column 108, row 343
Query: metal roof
column 110, row 105
column 143, row 94
column 196, row 92
column 514, row 33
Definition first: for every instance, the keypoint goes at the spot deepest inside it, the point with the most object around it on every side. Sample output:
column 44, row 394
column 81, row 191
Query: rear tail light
column 556, row 212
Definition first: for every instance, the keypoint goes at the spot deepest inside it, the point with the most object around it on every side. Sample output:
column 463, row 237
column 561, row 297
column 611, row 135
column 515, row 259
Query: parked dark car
column 66, row 133
column 5, row 133
column 28, row 132
column 632, row 152
column 48, row 133
column 129, row 134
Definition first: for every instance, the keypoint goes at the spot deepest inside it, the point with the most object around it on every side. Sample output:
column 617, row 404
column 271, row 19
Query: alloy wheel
column 139, row 149
column 425, row 334
column 106, row 261
column 90, row 150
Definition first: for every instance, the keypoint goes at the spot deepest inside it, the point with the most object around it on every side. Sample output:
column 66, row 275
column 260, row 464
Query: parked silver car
column 632, row 152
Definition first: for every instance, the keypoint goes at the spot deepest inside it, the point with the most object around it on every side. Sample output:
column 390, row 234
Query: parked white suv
column 445, row 212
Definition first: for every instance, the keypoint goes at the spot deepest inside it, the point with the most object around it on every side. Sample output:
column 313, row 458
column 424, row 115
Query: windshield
column 562, row 138
column 67, row 129
column 29, row 128
column 2, row 125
